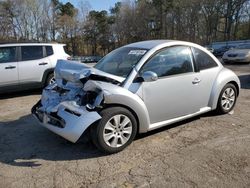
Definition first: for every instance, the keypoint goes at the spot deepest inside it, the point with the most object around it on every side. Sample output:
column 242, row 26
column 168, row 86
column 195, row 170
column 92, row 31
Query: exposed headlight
column 92, row 99
column 89, row 98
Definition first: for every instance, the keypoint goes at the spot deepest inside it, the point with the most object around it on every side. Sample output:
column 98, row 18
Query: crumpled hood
column 74, row 72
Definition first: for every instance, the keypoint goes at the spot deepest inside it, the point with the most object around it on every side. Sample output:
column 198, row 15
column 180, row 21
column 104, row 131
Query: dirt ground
column 206, row 151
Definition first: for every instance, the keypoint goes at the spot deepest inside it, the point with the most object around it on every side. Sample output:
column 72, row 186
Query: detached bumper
column 69, row 121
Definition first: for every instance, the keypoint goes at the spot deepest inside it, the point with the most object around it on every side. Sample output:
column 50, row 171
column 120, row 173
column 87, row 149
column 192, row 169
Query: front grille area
column 55, row 120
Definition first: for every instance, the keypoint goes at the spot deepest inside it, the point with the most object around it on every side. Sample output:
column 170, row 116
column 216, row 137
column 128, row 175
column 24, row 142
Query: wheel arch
column 236, row 85
column 224, row 77
column 134, row 104
column 46, row 74
column 116, row 95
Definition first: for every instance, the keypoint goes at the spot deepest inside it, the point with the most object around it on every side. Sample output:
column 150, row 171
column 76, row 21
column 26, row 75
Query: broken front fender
column 115, row 95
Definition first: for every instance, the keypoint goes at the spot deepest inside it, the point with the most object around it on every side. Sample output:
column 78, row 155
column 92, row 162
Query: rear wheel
column 50, row 79
column 227, row 99
column 115, row 131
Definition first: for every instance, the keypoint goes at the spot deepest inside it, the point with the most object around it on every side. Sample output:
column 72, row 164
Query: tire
column 227, row 99
column 115, row 133
column 50, row 79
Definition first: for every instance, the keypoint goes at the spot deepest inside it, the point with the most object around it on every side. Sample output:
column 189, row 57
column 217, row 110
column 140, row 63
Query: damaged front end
column 71, row 105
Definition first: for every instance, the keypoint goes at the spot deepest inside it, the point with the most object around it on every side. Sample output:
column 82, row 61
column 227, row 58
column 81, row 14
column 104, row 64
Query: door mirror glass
column 149, row 76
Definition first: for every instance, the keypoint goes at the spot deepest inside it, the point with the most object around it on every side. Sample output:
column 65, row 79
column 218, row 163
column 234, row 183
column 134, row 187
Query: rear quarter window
column 31, row 52
column 203, row 60
column 65, row 49
column 49, row 50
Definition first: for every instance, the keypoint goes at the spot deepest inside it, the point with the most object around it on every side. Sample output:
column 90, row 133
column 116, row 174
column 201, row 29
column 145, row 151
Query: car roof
column 29, row 44
column 149, row 44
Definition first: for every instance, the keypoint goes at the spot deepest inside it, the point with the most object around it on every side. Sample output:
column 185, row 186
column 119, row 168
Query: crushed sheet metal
column 74, row 125
column 73, row 72
column 92, row 85
column 97, row 85
column 74, row 75
column 65, row 96
column 51, row 99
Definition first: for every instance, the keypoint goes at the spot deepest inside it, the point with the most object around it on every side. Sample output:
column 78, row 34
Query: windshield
column 120, row 62
column 244, row 46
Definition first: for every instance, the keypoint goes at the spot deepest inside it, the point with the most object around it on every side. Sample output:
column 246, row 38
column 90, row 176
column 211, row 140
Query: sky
column 96, row 4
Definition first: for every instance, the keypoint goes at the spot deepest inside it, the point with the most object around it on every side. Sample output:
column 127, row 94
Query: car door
column 8, row 66
column 33, row 64
column 208, row 71
column 175, row 92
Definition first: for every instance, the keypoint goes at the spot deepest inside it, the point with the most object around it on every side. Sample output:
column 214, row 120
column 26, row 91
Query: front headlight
column 242, row 55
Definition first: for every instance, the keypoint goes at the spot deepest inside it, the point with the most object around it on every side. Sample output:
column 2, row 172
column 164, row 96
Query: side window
column 170, row 61
column 203, row 60
column 31, row 52
column 49, row 50
column 7, row 54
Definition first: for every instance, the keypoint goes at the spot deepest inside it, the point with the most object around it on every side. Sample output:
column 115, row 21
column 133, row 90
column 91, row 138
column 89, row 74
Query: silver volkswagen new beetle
column 134, row 89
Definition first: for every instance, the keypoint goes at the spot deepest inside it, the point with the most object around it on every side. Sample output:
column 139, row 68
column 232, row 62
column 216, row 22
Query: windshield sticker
column 137, row 52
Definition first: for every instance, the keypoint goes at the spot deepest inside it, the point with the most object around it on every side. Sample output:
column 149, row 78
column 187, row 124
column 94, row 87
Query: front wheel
column 227, row 99
column 115, row 131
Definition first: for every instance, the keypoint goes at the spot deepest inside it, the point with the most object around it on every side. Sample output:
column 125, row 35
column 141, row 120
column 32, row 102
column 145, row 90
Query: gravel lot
column 207, row 151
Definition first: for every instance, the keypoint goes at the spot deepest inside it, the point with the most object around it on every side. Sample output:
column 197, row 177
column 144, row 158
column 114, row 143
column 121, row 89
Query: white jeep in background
column 28, row 65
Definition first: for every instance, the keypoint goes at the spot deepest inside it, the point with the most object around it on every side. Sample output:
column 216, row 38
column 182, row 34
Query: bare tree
column 92, row 32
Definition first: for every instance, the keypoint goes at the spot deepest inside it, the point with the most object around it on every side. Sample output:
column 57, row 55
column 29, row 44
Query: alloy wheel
column 228, row 99
column 117, row 131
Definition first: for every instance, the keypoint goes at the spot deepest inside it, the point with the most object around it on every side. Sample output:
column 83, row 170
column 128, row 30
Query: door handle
column 43, row 63
column 10, row 67
column 196, row 81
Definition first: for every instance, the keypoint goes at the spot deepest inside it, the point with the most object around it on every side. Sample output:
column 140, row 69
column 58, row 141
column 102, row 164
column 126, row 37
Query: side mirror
column 149, row 76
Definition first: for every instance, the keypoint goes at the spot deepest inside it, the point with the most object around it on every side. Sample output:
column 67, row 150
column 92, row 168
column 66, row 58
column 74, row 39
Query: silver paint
column 155, row 104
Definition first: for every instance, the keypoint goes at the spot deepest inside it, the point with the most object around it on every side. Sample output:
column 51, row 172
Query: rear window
column 65, row 49
column 49, row 50
column 203, row 60
column 7, row 54
column 31, row 52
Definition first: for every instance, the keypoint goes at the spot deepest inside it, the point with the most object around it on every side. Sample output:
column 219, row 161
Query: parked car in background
column 91, row 59
column 86, row 59
column 210, row 49
column 134, row 89
column 28, row 65
column 240, row 54
column 220, row 51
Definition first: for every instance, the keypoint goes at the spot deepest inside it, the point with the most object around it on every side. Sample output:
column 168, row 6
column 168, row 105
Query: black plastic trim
column 46, row 74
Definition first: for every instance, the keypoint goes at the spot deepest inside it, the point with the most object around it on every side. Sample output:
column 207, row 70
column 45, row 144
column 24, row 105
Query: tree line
column 87, row 31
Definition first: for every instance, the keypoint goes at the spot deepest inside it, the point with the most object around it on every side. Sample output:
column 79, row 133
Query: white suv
column 28, row 65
